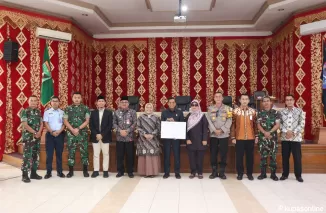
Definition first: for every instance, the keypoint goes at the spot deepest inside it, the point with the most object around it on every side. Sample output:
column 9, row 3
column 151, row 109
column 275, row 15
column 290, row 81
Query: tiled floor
column 140, row 195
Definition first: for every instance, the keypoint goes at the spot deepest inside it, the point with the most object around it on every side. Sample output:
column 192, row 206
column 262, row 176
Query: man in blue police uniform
column 53, row 121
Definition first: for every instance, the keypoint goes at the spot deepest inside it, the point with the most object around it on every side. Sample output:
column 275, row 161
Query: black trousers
column 242, row 147
column 219, row 145
column 196, row 160
column 295, row 148
column 167, row 152
column 123, row 147
column 54, row 143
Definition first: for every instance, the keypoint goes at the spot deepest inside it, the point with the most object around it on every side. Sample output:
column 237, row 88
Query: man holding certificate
column 172, row 114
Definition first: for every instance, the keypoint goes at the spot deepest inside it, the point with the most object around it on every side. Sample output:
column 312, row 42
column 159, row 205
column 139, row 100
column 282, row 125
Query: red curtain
column 157, row 68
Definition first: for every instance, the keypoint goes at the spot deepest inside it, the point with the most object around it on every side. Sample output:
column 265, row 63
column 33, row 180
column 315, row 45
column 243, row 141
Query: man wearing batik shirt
column 124, row 122
column 244, row 136
column 292, row 125
column 268, row 122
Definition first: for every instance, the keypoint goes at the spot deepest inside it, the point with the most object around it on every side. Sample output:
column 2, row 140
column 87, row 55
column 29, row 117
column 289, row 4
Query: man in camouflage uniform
column 268, row 121
column 76, row 119
column 31, row 119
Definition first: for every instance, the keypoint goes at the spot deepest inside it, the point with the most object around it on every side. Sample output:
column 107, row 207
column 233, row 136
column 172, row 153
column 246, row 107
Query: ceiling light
column 280, row 9
column 184, row 8
column 84, row 14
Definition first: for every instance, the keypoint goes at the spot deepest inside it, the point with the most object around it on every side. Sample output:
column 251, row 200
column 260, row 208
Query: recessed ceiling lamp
column 280, row 9
column 84, row 14
column 184, row 8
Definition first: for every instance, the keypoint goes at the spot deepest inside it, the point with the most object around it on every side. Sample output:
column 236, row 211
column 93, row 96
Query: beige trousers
column 97, row 147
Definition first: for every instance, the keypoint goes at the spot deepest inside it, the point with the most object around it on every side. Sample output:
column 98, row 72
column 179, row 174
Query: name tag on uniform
column 128, row 121
column 250, row 117
column 51, row 114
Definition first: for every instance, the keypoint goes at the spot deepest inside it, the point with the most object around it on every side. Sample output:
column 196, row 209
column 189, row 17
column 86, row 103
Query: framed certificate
column 173, row 130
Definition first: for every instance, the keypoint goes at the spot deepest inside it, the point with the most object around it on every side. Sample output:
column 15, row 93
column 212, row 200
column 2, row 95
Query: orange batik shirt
column 244, row 124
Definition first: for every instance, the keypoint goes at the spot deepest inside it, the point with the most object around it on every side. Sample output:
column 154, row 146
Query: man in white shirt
column 53, row 121
column 292, row 125
column 101, row 122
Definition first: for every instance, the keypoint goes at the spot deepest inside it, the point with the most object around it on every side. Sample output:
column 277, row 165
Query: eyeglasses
column 194, row 105
column 124, row 102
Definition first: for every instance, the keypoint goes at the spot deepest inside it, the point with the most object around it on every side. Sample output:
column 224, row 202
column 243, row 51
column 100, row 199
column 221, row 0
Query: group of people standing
column 243, row 125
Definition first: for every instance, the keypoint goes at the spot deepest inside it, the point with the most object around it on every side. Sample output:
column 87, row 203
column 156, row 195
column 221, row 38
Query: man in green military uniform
column 268, row 121
column 76, row 119
column 31, row 119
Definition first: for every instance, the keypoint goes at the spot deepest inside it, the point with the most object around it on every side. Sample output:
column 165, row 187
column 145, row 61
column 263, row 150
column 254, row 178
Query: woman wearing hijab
column 148, row 145
column 197, row 131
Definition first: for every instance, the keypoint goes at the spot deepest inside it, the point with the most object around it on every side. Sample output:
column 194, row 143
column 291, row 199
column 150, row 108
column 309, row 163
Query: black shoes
column 85, row 171
column 131, row 175
column 222, row 176
column 60, row 174
column 47, row 176
column 177, row 176
column 283, row 177
column 120, row 174
column 105, row 174
column 25, row 177
column 274, row 177
column 191, row 176
column 35, row 176
column 214, row 173
column 165, row 176
column 250, row 177
column 299, row 179
column 262, row 176
column 71, row 172
column 95, row 174
column 240, row 176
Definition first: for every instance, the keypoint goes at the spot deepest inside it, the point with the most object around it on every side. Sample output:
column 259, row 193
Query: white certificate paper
column 173, row 130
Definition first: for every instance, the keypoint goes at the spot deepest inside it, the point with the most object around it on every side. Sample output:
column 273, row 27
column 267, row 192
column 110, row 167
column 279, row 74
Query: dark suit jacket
column 198, row 134
column 106, row 126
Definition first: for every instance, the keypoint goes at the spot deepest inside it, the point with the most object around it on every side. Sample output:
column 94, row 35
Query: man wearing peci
column 124, row 122
column 172, row 114
column 54, row 138
column 100, row 123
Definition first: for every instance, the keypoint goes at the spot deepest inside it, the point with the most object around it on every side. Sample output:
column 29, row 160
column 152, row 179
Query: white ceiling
column 132, row 18
column 173, row 5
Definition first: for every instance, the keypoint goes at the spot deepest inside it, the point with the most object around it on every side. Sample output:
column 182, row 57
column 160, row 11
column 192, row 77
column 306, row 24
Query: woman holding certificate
column 197, row 132
column 148, row 145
